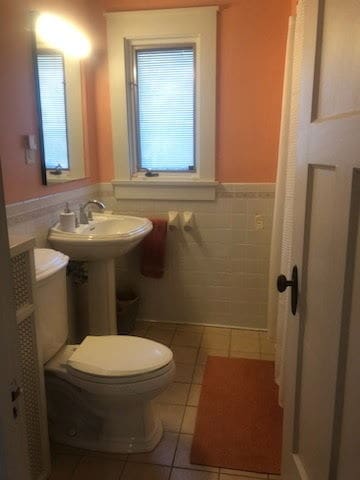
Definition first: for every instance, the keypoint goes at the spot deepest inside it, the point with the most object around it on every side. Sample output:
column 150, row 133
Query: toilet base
column 99, row 444
column 83, row 421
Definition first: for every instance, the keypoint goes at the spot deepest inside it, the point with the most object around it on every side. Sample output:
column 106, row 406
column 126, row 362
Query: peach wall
column 17, row 112
column 251, row 55
column 251, row 52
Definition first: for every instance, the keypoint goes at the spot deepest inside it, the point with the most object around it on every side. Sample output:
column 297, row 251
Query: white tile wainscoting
column 34, row 217
column 218, row 273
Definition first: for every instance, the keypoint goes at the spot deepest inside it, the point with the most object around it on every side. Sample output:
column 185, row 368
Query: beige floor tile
column 184, row 373
column 205, row 352
column 160, row 335
column 245, row 341
column 188, row 423
column 182, row 474
column 176, row 394
column 63, row 466
column 225, row 476
column 182, row 457
column 198, row 374
column 140, row 471
column 249, row 355
column 217, row 330
column 171, row 416
column 139, row 332
column 194, row 395
column 266, row 346
column 246, row 332
column 57, row 448
column 60, row 449
column 187, row 338
column 190, row 328
column 163, row 454
column 185, row 355
column 94, row 468
column 215, row 341
column 229, row 474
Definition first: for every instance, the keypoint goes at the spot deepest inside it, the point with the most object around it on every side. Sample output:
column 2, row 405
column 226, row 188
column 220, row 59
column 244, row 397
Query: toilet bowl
column 99, row 392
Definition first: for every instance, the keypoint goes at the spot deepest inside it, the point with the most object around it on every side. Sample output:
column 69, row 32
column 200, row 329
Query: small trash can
column 127, row 307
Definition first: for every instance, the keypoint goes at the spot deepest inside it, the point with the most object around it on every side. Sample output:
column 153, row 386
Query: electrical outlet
column 259, row 222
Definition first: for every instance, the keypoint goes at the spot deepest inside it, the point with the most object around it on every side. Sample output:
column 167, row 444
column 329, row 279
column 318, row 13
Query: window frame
column 163, row 27
column 133, row 103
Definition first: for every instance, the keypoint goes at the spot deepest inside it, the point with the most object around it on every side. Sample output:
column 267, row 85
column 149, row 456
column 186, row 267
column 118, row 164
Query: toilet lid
column 119, row 356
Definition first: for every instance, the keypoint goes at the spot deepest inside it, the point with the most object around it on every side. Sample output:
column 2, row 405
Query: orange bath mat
column 239, row 421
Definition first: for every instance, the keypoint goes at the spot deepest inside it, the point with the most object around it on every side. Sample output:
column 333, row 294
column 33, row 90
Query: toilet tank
column 51, row 301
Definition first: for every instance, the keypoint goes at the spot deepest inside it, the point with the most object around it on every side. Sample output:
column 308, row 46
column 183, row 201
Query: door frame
column 14, row 461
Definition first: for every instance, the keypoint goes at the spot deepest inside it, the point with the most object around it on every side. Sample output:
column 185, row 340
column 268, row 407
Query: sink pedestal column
column 102, row 298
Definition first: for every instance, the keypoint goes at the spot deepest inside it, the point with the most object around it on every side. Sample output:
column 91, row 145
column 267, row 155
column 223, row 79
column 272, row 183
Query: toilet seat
column 118, row 356
column 76, row 363
column 140, row 383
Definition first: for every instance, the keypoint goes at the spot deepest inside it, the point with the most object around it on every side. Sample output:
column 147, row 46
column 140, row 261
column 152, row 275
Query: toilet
column 100, row 392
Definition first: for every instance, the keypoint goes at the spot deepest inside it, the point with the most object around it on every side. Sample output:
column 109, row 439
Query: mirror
column 59, row 83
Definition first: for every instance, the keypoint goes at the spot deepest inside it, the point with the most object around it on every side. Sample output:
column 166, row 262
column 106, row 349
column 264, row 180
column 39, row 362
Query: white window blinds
column 53, row 109
column 165, row 109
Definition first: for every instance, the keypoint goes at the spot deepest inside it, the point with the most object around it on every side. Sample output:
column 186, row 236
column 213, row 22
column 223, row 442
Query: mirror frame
column 74, row 160
column 34, row 16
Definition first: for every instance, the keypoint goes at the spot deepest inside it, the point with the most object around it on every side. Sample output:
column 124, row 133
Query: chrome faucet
column 85, row 217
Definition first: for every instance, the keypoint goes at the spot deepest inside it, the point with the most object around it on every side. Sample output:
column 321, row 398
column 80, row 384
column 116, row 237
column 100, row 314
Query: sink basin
column 99, row 243
column 106, row 237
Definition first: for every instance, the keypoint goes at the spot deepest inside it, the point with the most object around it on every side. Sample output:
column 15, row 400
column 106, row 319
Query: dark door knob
column 283, row 283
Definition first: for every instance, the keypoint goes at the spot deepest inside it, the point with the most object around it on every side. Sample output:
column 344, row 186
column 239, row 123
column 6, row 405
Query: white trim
column 157, row 25
column 74, row 121
column 204, row 324
column 164, row 189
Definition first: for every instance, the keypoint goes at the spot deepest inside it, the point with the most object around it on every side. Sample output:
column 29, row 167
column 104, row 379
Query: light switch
column 32, row 142
column 30, row 149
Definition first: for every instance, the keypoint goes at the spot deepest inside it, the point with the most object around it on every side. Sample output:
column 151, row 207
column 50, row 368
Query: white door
column 322, row 377
column 13, row 451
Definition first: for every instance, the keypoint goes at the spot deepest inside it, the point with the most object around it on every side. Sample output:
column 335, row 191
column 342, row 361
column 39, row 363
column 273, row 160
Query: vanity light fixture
column 62, row 35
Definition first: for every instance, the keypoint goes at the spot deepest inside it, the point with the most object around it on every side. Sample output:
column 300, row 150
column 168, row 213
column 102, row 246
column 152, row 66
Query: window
column 162, row 66
column 51, row 76
column 163, row 91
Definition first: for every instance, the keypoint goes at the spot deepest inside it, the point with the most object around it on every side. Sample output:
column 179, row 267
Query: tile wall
column 215, row 275
column 34, row 217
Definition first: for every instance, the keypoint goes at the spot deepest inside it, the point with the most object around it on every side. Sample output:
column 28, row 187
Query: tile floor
column 177, row 407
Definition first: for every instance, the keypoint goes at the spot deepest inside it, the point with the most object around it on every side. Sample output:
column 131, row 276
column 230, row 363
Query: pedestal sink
column 105, row 238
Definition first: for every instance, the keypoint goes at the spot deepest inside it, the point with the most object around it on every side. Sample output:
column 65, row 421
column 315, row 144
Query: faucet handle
column 82, row 215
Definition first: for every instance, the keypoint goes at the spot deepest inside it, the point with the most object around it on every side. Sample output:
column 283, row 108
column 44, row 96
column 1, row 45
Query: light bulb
column 59, row 34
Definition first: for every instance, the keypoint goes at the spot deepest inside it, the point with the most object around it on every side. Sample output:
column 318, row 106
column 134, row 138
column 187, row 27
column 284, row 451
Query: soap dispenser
column 67, row 219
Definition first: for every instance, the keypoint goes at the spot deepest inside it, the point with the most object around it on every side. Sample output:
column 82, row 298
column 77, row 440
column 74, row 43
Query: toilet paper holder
column 173, row 220
column 188, row 221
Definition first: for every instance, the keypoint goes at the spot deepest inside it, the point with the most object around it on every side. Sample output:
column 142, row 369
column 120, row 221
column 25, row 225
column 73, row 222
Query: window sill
column 164, row 189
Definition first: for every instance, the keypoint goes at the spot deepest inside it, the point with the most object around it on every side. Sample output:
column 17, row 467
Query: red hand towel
column 153, row 250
